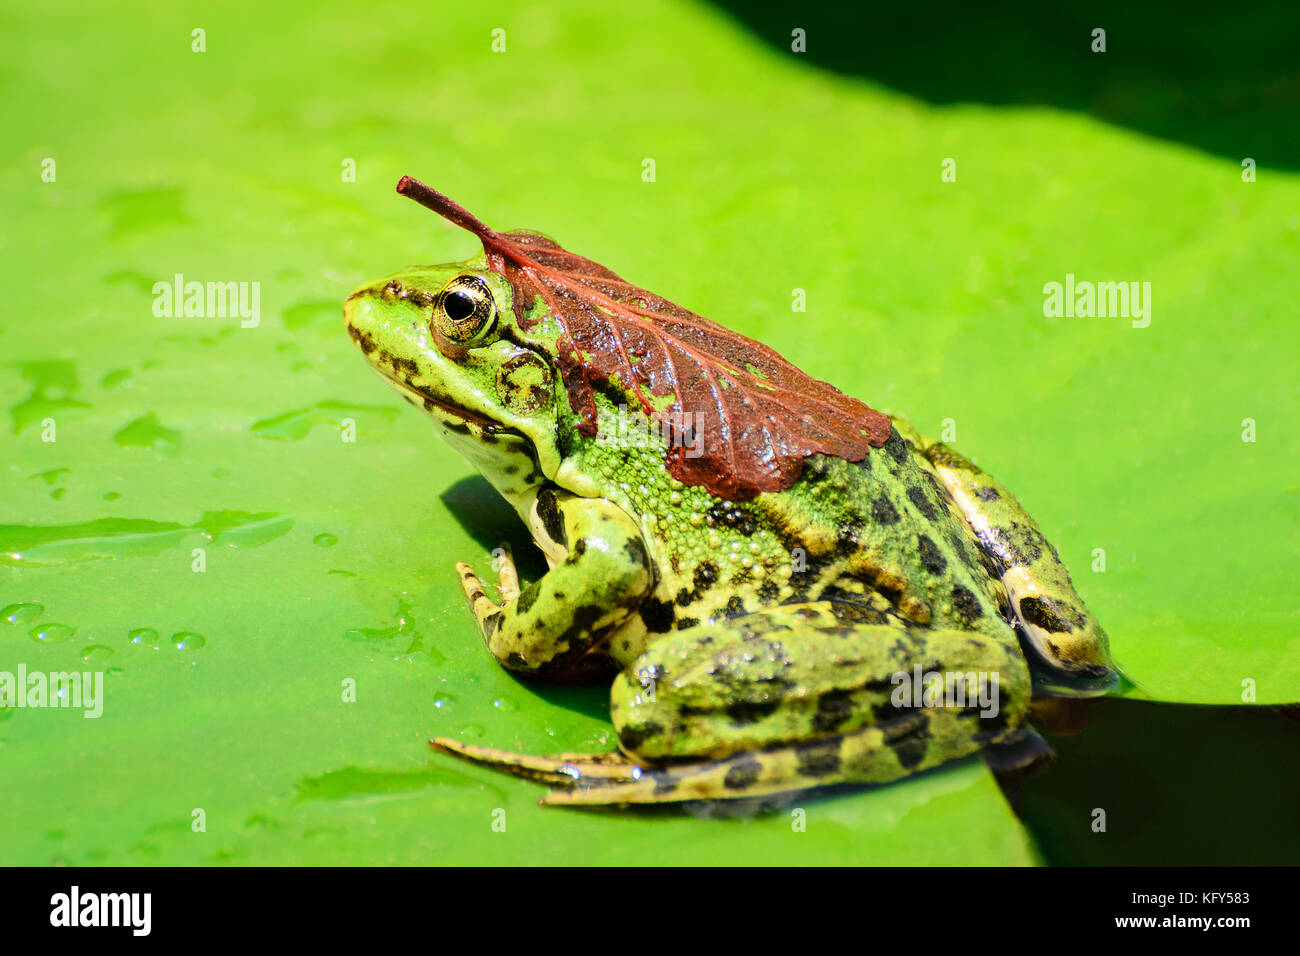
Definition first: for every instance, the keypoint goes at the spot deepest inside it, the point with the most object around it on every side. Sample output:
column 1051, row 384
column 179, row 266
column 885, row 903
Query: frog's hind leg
column 784, row 700
column 1066, row 638
column 779, row 702
column 614, row 778
column 870, row 755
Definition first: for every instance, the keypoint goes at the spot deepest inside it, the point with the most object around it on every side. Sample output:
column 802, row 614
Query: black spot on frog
column 742, row 774
column 1054, row 616
column 833, row 708
column 735, row 607
column 657, row 615
column 818, row 758
column 965, row 604
column 548, row 512
column 896, row 447
column 883, row 511
column 922, row 501
column 932, row 558
column 528, row 597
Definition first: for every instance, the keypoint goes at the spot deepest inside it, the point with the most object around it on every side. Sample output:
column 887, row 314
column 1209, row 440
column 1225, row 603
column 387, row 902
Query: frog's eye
column 465, row 311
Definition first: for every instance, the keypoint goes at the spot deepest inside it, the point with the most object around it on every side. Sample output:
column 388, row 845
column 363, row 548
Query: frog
column 875, row 619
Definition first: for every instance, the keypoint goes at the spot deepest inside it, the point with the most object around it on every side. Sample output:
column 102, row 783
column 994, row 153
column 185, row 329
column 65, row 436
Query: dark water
column 1179, row 784
column 1224, row 78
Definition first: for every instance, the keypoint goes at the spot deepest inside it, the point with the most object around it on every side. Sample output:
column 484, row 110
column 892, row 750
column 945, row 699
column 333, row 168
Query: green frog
column 863, row 621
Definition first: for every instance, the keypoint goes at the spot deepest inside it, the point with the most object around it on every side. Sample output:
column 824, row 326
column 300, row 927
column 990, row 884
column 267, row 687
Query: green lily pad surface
column 233, row 522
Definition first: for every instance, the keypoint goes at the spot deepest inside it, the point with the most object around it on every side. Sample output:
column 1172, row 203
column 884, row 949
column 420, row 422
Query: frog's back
column 883, row 531
column 879, row 536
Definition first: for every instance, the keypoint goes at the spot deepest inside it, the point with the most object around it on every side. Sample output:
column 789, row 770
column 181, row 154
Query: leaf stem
column 430, row 198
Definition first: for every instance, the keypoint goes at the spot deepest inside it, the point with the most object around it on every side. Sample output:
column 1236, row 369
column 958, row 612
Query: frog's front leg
column 550, row 627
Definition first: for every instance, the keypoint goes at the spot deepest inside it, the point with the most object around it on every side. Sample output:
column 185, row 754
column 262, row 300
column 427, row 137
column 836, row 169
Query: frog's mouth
column 450, row 415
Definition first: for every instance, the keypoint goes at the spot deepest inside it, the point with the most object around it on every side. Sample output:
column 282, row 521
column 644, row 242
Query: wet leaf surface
column 923, row 297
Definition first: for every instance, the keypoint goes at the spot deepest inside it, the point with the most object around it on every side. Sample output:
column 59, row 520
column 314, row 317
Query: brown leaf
column 757, row 415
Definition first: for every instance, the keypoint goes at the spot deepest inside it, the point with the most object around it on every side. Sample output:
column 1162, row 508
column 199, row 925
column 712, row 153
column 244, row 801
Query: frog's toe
column 507, row 574
column 557, row 770
column 481, row 604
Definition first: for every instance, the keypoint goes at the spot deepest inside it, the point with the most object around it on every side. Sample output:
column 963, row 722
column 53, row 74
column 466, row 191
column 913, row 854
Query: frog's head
column 446, row 339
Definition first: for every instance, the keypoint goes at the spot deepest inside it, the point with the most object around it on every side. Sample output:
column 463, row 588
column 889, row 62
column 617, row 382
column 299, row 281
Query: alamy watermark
column 1085, row 299
column 83, row 690
column 633, row 429
column 208, row 300
column 75, row 908
column 959, row 689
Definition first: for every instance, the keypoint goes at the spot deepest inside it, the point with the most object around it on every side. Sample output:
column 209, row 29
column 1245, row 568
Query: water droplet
column 325, row 540
column 144, row 637
column 443, row 701
column 473, row 730
column 21, row 613
column 505, row 704
column 52, row 633
column 96, row 652
column 188, row 641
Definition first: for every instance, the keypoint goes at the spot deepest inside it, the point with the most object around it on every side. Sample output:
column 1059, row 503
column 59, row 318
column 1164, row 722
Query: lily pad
column 254, row 540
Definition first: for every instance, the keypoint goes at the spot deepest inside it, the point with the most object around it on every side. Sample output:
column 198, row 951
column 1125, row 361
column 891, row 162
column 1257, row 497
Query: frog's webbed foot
column 563, row 770
column 487, row 612
column 609, row 779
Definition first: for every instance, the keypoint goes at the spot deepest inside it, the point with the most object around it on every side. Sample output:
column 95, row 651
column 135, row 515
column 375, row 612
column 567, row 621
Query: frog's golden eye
column 465, row 311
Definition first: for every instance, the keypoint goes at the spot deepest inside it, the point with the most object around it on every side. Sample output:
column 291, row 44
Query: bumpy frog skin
column 760, row 646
